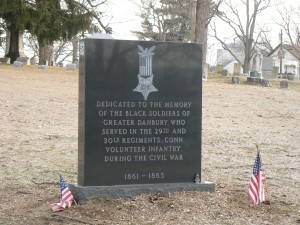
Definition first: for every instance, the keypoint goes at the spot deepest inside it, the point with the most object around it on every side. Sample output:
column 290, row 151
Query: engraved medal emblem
column 145, row 76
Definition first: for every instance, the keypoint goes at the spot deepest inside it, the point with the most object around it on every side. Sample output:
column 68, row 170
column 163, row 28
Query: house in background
column 290, row 59
column 227, row 61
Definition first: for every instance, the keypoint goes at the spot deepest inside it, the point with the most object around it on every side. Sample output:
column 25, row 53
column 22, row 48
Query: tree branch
column 224, row 45
column 214, row 13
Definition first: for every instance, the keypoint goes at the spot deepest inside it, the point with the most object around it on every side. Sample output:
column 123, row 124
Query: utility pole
column 280, row 53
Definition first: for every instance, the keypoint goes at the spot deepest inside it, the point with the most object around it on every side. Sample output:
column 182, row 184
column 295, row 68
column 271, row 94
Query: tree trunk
column 13, row 52
column 14, row 46
column 7, row 41
column 193, row 21
column 75, row 43
column 202, row 16
column 45, row 53
column 246, row 66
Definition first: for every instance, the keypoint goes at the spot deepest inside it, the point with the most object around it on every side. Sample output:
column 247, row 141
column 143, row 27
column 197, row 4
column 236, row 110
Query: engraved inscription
column 137, row 132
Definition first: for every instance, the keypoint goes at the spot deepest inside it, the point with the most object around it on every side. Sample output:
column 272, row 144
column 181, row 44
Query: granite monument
column 140, row 112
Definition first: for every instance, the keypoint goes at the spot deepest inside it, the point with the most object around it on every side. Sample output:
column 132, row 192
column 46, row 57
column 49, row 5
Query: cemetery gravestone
column 265, row 83
column 284, row 84
column 290, row 76
column 254, row 74
column 139, row 113
column 237, row 69
column 71, row 66
column 254, row 77
column 224, row 73
column 18, row 64
column 267, row 67
column 235, row 80
column 257, row 61
column 220, row 68
column 42, row 67
column 24, row 60
column 275, row 70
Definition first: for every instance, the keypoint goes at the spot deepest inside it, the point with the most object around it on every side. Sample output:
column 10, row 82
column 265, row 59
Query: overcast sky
column 125, row 20
column 125, row 17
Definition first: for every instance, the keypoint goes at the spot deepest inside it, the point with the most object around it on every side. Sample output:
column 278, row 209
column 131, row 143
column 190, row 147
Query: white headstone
column 24, row 60
column 71, row 66
column 257, row 62
column 18, row 64
column 43, row 67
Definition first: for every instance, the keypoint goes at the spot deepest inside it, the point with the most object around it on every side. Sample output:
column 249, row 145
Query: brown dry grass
column 38, row 124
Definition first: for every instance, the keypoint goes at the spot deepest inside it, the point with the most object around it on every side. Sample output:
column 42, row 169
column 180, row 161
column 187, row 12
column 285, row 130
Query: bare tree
column 30, row 42
column 288, row 18
column 241, row 18
column 205, row 10
column 94, row 6
column 264, row 44
column 62, row 52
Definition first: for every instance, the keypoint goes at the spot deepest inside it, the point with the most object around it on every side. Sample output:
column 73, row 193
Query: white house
column 290, row 58
column 225, row 59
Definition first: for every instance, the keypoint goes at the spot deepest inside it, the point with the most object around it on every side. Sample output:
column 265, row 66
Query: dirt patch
column 38, row 124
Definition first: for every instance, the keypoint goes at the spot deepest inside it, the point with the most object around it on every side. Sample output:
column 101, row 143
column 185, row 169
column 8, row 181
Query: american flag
column 256, row 192
column 66, row 197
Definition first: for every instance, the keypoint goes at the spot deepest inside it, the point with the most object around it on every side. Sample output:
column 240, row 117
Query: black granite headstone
column 139, row 112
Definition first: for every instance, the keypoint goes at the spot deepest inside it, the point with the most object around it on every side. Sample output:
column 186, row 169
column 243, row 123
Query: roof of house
column 224, row 57
column 293, row 49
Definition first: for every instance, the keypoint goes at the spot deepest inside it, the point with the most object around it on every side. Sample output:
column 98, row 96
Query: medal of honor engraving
column 145, row 76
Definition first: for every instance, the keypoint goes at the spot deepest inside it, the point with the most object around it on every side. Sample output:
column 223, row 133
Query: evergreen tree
column 48, row 20
column 16, row 15
column 165, row 20
column 54, row 21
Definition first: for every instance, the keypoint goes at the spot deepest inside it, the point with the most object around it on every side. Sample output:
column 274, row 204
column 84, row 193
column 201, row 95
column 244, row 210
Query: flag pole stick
column 257, row 148
column 75, row 202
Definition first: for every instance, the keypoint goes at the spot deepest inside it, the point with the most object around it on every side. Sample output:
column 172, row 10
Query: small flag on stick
column 256, row 192
column 66, row 197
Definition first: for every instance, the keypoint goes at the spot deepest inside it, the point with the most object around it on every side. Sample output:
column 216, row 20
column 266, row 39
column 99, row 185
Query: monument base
column 83, row 194
column 254, row 80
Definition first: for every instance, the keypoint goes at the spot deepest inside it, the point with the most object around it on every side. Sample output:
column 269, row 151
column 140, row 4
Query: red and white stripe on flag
column 65, row 201
column 256, row 190
column 66, row 197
